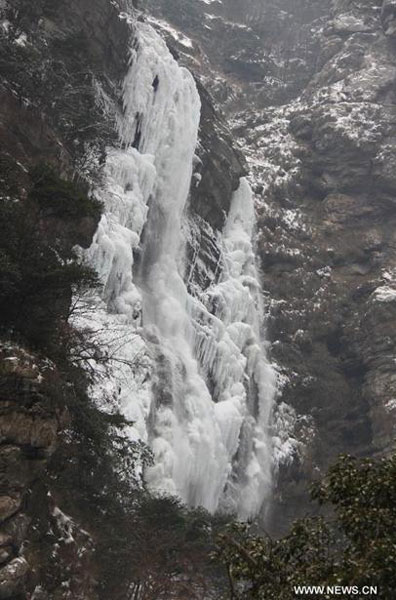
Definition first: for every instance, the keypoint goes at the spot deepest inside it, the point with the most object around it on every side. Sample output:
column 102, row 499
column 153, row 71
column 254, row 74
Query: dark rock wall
column 42, row 550
column 263, row 50
column 332, row 303
column 56, row 59
column 27, row 436
column 221, row 166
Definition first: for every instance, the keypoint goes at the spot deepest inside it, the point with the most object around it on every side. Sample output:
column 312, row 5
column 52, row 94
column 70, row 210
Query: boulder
column 9, row 506
column 13, row 577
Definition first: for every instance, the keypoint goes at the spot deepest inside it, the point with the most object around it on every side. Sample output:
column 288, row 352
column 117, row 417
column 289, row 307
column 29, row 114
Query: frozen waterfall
column 189, row 369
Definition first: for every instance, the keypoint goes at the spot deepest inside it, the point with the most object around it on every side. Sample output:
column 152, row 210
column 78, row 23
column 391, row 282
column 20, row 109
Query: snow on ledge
column 384, row 293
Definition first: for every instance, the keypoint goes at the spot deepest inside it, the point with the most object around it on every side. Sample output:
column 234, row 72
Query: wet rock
column 220, row 168
column 388, row 17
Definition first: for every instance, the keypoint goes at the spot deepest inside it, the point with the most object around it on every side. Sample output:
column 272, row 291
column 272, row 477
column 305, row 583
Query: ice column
column 203, row 396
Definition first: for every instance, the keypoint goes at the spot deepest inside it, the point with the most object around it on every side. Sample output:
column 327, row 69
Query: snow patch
column 384, row 294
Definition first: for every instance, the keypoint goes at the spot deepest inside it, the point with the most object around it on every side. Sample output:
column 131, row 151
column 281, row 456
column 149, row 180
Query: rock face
column 388, row 17
column 332, row 210
column 313, row 107
column 36, row 538
column 221, row 167
column 50, row 109
column 28, row 432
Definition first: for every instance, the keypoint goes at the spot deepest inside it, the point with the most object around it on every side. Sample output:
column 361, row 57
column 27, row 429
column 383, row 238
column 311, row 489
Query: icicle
column 202, row 389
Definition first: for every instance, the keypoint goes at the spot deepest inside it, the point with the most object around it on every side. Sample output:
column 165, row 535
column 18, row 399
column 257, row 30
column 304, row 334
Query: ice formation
column 189, row 367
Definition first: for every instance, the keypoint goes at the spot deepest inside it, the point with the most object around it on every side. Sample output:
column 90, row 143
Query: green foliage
column 363, row 496
column 59, row 197
column 262, row 568
column 356, row 546
column 161, row 551
column 96, row 461
column 36, row 279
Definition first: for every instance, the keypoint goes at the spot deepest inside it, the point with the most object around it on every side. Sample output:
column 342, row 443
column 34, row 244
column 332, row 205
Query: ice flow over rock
column 201, row 392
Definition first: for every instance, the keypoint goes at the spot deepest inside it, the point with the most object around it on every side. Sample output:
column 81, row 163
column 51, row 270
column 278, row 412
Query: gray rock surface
column 388, row 17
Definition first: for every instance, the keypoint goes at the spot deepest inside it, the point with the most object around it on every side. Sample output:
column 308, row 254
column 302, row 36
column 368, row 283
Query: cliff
column 308, row 92
column 313, row 109
column 62, row 68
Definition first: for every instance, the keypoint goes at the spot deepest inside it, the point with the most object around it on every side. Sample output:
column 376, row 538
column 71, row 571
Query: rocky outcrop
column 44, row 553
column 263, row 51
column 28, row 433
column 12, row 578
column 220, row 168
